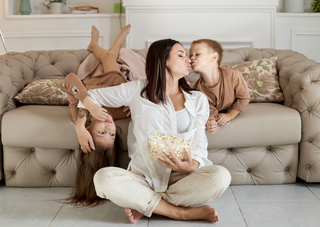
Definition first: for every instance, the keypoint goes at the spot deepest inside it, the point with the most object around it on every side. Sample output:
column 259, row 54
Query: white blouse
column 148, row 117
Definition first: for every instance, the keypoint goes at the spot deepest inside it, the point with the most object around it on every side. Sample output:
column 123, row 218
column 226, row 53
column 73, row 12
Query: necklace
column 175, row 96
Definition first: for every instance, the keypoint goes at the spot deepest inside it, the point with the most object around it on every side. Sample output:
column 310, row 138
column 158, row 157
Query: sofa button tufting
column 14, row 172
column 286, row 169
column 32, row 149
column 268, row 148
column 248, row 170
column 310, row 140
column 309, row 166
column 229, row 148
column 72, row 150
column 54, row 172
column 309, row 109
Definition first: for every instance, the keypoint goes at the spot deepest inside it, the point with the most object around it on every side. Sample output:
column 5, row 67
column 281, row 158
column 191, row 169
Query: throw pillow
column 44, row 92
column 262, row 79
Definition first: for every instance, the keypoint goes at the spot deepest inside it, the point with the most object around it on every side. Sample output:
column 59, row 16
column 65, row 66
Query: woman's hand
column 85, row 139
column 125, row 109
column 98, row 112
column 185, row 167
column 223, row 118
column 211, row 125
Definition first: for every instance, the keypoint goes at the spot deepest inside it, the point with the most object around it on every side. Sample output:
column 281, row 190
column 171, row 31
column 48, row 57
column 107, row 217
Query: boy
column 226, row 90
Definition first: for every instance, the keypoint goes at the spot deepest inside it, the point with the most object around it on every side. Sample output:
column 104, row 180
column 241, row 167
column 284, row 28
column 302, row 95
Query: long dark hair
column 156, row 67
column 84, row 193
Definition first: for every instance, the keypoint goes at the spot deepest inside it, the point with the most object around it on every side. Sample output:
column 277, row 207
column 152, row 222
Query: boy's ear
column 215, row 56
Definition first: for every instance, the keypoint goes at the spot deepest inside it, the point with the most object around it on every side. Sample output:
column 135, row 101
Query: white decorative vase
column 294, row 6
column 56, row 8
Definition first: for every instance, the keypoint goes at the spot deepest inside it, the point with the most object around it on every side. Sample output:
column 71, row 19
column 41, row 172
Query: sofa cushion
column 261, row 124
column 262, row 79
column 53, row 126
column 44, row 92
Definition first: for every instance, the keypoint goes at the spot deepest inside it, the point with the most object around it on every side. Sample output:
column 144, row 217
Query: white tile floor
column 240, row 206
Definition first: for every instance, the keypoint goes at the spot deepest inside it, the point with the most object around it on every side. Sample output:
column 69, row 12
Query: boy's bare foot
column 133, row 215
column 207, row 213
column 94, row 38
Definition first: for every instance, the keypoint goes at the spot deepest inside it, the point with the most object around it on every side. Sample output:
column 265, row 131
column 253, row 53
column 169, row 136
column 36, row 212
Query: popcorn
column 162, row 144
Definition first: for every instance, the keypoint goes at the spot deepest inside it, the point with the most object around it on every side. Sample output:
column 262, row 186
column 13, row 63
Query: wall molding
column 226, row 44
column 104, row 36
column 155, row 10
column 296, row 32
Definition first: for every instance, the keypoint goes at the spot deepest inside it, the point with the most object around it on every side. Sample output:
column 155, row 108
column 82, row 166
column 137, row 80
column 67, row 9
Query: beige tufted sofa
column 268, row 143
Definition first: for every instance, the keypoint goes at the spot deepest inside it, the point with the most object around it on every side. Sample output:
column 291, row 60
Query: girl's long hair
column 156, row 67
column 84, row 193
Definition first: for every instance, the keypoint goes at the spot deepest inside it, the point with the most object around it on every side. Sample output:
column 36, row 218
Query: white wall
column 41, row 31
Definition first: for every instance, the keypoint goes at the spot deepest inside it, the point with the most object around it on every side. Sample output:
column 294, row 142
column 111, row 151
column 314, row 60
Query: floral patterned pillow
column 262, row 79
column 44, row 92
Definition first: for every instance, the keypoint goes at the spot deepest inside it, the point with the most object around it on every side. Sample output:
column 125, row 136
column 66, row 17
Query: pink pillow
column 44, row 92
column 262, row 79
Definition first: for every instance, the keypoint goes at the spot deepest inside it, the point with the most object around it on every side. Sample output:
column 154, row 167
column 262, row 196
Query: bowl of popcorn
column 161, row 144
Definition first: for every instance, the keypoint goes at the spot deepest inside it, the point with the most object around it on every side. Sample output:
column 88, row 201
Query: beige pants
column 127, row 189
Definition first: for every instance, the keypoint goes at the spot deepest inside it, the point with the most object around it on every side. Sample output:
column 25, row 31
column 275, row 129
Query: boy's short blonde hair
column 212, row 44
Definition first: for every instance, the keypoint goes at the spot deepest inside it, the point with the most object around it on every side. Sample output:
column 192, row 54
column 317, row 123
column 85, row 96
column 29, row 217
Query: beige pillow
column 44, row 92
column 262, row 79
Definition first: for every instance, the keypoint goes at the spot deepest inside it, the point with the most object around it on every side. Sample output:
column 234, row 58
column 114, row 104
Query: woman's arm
column 200, row 138
column 115, row 96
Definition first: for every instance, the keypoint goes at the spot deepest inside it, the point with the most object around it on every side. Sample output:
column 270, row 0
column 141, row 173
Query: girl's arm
column 84, row 137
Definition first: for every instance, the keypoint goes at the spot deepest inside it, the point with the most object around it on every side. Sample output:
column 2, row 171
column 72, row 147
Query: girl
column 98, row 139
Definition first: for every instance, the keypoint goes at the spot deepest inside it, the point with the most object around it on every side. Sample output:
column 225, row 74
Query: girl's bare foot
column 207, row 213
column 125, row 30
column 94, row 38
column 120, row 39
column 133, row 215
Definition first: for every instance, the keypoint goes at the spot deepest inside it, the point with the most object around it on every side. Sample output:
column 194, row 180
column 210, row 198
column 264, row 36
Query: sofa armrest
column 11, row 82
column 300, row 82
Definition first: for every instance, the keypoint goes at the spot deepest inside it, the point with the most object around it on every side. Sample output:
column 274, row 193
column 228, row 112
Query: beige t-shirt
column 230, row 92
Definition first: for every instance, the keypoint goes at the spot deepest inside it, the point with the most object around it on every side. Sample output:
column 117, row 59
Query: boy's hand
column 223, row 118
column 185, row 167
column 211, row 125
column 85, row 139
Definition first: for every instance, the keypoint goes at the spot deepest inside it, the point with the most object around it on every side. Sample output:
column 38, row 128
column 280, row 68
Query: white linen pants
column 128, row 189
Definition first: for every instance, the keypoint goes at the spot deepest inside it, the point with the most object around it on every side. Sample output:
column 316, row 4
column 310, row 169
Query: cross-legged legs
column 132, row 191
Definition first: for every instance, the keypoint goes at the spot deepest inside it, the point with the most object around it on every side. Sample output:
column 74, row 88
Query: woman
column 149, row 186
column 99, row 140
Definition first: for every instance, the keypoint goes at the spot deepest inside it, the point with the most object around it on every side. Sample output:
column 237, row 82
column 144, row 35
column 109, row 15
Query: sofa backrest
column 18, row 69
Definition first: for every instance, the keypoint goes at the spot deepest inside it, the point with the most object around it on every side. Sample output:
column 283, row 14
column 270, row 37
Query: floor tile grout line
column 56, row 214
column 312, row 192
column 239, row 207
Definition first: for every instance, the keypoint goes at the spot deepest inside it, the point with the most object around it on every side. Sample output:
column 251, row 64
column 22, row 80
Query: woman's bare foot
column 94, row 38
column 207, row 213
column 133, row 215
